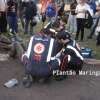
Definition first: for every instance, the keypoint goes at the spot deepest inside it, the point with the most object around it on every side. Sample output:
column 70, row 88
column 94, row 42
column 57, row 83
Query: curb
column 92, row 61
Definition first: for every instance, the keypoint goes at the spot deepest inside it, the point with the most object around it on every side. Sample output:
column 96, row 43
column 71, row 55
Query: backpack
column 88, row 20
column 86, row 52
column 50, row 11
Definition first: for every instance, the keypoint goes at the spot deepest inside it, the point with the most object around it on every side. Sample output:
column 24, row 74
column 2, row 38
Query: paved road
column 73, row 88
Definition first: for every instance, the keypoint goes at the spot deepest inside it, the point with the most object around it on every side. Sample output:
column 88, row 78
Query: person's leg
column 74, row 25
column 78, row 28
column 27, row 79
column 75, row 64
column 22, row 19
column 26, row 28
column 15, row 24
column 62, row 67
column 82, row 29
column 4, row 22
column 15, row 28
column 98, row 39
column 0, row 21
column 10, row 23
column 92, row 31
column 31, row 29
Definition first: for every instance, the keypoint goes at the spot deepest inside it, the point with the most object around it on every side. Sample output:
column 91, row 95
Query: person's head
column 82, row 1
column 45, row 31
column 62, row 1
column 49, row 32
column 56, row 23
column 75, row 1
column 64, row 37
column 11, row 0
column 59, row 24
column 89, row 1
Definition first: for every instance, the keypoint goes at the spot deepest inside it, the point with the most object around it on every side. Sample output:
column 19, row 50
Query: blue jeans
column 12, row 21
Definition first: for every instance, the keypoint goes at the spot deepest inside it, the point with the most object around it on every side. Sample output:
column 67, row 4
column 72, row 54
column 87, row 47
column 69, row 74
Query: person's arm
column 98, row 8
column 98, row 5
column 27, row 53
column 89, row 9
column 76, row 10
column 16, row 9
column 7, row 5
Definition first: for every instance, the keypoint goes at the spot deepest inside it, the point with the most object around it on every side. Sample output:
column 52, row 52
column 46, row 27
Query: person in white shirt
column 3, row 21
column 2, row 5
column 81, row 10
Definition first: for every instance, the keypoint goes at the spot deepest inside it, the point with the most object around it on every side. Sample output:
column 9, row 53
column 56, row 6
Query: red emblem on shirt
column 39, row 48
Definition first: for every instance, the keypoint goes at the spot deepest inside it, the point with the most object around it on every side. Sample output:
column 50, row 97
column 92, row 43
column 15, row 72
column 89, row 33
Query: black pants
column 98, row 39
column 75, row 64
column 80, row 28
column 3, row 22
column 40, row 71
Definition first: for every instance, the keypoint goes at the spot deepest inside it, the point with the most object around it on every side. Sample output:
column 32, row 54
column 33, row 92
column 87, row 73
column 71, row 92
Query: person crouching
column 72, row 50
column 39, row 59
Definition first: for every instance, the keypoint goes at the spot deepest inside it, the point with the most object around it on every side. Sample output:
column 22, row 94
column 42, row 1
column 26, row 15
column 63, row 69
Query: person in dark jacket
column 30, row 12
column 39, row 59
column 72, row 49
column 21, row 7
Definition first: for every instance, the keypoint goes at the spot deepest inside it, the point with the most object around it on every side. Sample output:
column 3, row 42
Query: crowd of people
column 12, row 10
column 25, row 10
column 52, row 48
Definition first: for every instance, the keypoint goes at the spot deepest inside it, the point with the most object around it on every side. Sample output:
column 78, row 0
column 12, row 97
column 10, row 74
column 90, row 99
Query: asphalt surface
column 73, row 88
